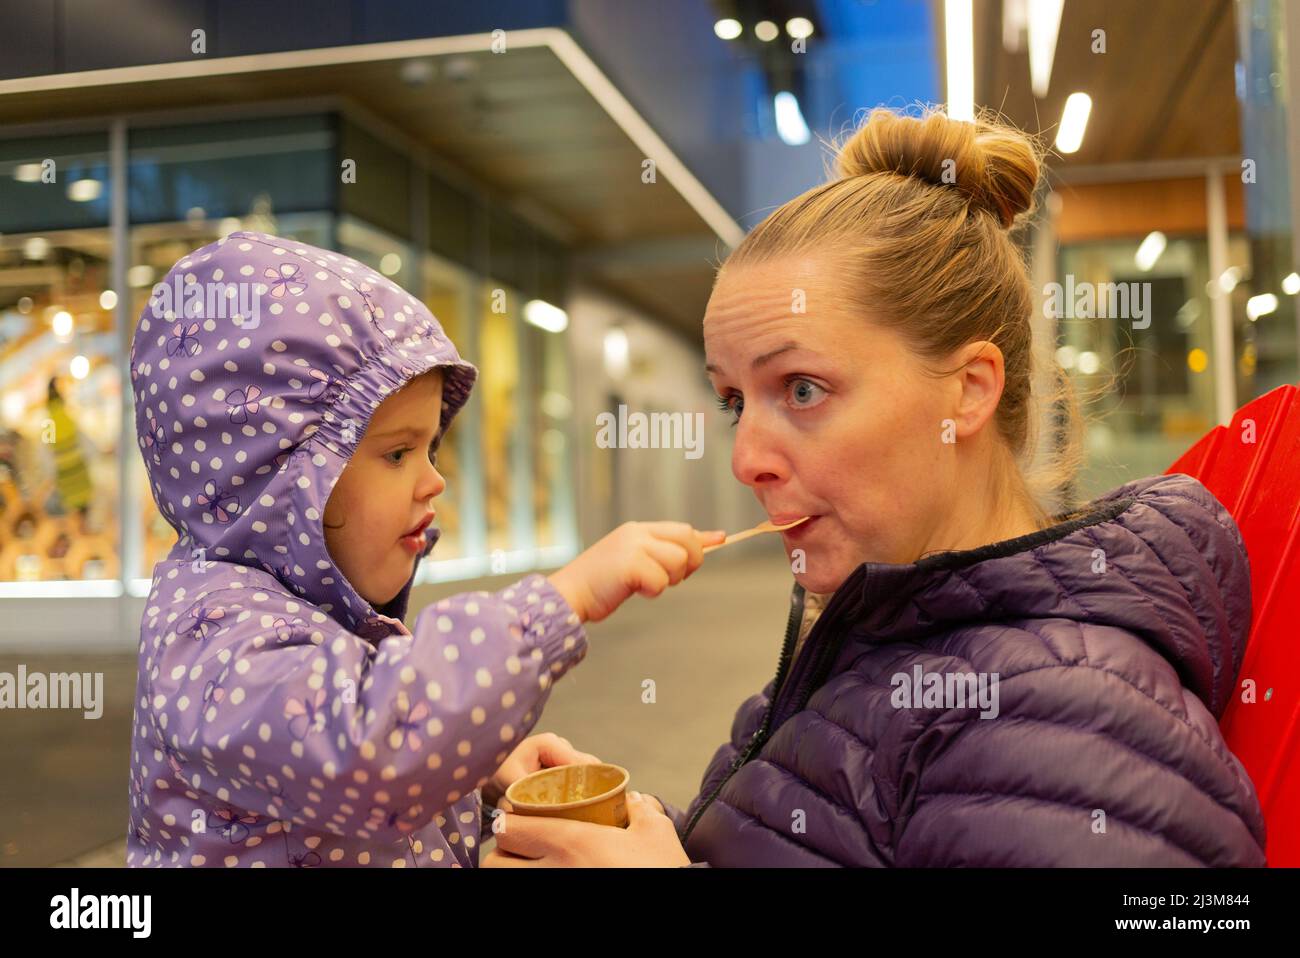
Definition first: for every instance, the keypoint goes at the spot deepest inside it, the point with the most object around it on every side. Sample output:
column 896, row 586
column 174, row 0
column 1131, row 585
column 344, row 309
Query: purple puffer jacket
column 1116, row 640
column 280, row 719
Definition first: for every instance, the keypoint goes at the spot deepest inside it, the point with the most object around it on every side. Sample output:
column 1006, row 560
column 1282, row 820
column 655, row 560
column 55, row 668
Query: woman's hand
column 529, row 841
column 531, row 755
column 636, row 558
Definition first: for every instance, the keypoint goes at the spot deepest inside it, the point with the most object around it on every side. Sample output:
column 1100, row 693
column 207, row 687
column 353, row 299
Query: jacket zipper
column 757, row 740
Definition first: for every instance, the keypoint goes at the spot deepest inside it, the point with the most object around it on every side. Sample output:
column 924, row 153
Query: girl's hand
column 532, row 755
column 636, row 558
column 650, row 840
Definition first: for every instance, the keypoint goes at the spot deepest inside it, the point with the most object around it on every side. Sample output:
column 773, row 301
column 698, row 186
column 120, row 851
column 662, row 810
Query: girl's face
column 384, row 492
column 836, row 419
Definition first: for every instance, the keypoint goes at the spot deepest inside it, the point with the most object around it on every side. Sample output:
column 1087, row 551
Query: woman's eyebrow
column 759, row 360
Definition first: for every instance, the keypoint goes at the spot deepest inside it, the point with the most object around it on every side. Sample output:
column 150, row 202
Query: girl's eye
column 805, row 393
column 726, row 404
column 398, row 453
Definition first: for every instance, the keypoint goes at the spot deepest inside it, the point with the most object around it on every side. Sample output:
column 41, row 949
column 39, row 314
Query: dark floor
column 707, row 645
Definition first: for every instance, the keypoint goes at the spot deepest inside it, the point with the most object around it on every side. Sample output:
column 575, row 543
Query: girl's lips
column 415, row 539
column 414, row 543
column 423, row 524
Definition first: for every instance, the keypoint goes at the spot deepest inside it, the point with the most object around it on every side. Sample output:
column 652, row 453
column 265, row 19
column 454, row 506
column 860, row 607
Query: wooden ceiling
column 520, row 125
column 1163, row 90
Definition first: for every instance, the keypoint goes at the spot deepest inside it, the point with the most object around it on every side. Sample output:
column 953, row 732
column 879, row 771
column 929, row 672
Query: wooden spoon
column 762, row 527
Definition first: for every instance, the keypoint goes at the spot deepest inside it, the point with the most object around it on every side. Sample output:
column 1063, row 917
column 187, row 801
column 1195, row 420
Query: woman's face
column 384, row 492
column 836, row 419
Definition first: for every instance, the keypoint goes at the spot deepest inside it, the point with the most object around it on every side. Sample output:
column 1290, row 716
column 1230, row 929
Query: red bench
column 1253, row 467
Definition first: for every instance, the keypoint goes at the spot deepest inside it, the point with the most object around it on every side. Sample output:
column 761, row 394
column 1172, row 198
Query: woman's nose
column 755, row 458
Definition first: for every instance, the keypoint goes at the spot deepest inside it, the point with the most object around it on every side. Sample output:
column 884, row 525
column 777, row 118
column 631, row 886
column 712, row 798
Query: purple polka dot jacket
column 280, row 719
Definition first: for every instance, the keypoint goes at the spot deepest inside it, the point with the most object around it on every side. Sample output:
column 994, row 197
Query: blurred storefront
column 1162, row 248
column 468, row 191
column 558, row 179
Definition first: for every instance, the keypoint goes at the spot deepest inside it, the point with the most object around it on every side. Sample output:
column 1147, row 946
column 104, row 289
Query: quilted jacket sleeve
column 1079, row 768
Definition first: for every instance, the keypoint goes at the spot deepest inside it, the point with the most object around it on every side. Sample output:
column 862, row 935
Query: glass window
column 256, row 168
column 548, row 436
column 499, row 398
column 1150, row 376
column 60, row 408
column 447, row 294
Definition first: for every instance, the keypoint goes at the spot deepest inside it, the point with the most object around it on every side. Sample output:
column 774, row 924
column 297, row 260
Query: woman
column 987, row 685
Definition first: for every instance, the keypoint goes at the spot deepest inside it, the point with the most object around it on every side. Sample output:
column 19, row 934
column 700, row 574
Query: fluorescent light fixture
column 79, row 367
column 1260, row 305
column 36, row 247
column 960, row 55
column 1089, row 363
column 1149, row 250
column 1229, row 279
column 766, row 30
column 727, row 29
column 107, row 299
column 1044, row 27
column 27, row 172
column 13, row 405
column 799, row 27
column 616, row 352
column 1074, row 120
column 83, row 191
column 61, row 323
column 62, row 589
column 790, row 125
column 1291, row 284
column 545, row 316
column 1015, row 18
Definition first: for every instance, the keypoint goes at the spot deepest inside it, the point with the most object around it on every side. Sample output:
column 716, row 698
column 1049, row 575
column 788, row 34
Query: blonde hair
column 918, row 223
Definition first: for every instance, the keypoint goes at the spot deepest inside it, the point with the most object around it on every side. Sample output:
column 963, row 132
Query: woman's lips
column 795, row 533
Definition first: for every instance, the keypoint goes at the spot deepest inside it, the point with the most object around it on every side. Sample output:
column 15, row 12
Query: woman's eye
column 805, row 393
column 731, row 404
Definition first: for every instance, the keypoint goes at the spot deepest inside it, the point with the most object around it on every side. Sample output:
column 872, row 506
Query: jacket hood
column 1159, row 557
column 256, row 366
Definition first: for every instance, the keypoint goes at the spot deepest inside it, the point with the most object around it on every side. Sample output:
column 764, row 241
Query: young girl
column 289, row 404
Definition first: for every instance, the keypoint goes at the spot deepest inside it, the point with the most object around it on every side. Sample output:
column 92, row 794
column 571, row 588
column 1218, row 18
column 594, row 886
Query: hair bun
column 995, row 165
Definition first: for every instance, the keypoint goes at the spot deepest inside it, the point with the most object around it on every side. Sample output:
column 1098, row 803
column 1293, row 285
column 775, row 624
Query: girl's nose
column 432, row 485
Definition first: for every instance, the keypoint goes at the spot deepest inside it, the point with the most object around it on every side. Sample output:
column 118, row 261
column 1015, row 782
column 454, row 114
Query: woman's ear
column 980, row 379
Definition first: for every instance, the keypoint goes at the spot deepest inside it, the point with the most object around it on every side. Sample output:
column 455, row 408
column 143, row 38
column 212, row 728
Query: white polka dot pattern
column 280, row 719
